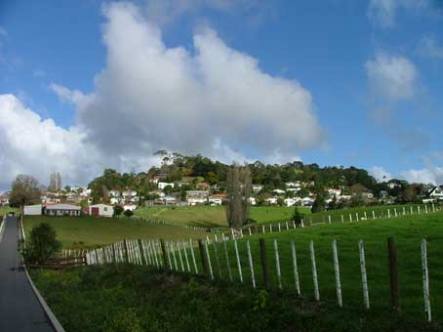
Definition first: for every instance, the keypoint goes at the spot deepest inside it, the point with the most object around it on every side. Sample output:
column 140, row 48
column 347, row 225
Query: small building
column 101, row 210
column 32, row 210
column 130, row 207
column 195, row 197
column 62, row 210
column 436, row 193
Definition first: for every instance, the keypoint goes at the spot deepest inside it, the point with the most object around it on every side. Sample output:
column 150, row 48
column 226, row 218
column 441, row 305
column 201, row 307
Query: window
column 105, row 209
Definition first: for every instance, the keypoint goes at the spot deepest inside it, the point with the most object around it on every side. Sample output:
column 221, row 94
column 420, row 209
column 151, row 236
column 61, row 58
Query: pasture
column 84, row 232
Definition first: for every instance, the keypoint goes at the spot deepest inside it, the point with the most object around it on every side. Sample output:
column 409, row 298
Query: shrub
column 41, row 245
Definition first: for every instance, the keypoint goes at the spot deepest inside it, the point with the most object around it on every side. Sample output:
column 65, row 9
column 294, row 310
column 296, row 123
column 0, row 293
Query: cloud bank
column 210, row 99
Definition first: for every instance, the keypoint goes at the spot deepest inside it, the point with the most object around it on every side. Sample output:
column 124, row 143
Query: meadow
column 213, row 216
column 84, row 232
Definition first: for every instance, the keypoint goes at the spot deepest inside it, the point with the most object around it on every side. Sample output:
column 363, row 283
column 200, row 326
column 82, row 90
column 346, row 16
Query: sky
column 87, row 85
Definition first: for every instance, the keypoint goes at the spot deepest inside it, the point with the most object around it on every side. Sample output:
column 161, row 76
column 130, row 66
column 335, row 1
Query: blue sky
column 373, row 71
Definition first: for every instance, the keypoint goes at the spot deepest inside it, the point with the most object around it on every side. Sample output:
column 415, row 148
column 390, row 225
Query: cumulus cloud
column 429, row 47
column 433, row 175
column 32, row 145
column 210, row 99
column 380, row 174
column 392, row 77
column 150, row 96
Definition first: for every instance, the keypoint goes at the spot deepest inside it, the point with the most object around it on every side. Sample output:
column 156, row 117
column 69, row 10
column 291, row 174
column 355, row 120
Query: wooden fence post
column 208, row 257
column 295, row 267
column 426, row 293
column 337, row 273
column 188, row 266
column 228, row 261
column 251, row 264
column 142, row 254
column 264, row 263
column 314, row 271
column 364, row 278
column 277, row 264
column 237, row 255
column 125, row 244
column 165, row 253
column 201, row 248
column 393, row 274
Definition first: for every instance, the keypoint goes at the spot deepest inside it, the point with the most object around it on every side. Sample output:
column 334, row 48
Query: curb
column 48, row 312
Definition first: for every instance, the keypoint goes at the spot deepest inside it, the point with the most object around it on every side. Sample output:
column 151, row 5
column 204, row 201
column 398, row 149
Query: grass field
column 135, row 298
column 6, row 209
column 213, row 216
column 407, row 231
column 82, row 232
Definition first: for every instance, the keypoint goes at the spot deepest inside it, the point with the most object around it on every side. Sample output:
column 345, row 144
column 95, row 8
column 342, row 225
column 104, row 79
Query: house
column 279, row 191
column 256, row 188
column 130, row 207
column 333, row 192
column 293, row 186
column 195, row 197
column 4, row 199
column 436, row 193
column 62, row 210
column 163, row 185
column 252, row 201
column 291, row 201
column 271, row 200
column 101, row 210
column 307, row 201
column 32, row 210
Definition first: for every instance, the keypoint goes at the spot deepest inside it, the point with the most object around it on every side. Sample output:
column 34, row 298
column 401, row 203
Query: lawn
column 135, row 298
column 6, row 209
column 213, row 216
column 82, row 232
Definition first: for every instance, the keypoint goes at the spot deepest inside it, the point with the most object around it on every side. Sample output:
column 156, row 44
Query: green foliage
column 118, row 210
column 41, row 245
column 25, row 190
column 128, row 213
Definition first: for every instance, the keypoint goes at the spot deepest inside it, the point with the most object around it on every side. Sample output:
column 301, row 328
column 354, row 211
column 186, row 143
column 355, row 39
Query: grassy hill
column 81, row 232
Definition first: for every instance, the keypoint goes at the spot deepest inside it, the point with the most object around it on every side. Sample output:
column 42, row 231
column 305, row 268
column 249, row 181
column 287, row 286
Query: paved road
column 20, row 310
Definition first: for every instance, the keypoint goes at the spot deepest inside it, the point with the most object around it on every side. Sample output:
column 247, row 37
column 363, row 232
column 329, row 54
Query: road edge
column 48, row 312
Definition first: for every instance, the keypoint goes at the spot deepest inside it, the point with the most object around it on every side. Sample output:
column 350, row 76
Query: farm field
column 407, row 231
column 82, row 232
column 137, row 298
column 213, row 216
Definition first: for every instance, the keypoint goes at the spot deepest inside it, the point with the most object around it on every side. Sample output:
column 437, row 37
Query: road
column 20, row 310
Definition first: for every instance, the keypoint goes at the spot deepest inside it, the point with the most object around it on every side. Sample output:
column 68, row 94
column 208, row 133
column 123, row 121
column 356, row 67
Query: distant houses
column 101, row 210
column 62, row 210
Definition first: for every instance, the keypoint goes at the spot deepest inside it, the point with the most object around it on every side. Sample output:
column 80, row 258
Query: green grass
column 6, row 209
column 82, row 232
column 408, row 231
column 212, row 216
column 135, row 298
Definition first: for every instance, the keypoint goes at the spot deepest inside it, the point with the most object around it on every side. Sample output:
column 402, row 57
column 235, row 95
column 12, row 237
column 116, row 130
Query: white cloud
column 212, row 100
column 150, row 96
column 429, row 47
column 383, row 12
column 392, row 77
column 32, row 145
column 380, row 174
column 433, row 175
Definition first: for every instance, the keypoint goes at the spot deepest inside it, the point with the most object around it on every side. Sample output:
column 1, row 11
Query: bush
column 41, row 245
column 128, row 213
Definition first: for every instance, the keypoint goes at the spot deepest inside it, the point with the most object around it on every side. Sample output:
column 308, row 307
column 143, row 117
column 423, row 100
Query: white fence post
column 240, row 273
column 342, row 219
column 277, row 264
column 194, row 262
column 364, row 279
column 424, row 265
column 174, row 256
column 251, row 264
column 295, row 267
column 186, row 256
column 329, row 219
column 314, row 271
column 211, row 272
column 228, row 261
column 373, row 214
column 337, row 273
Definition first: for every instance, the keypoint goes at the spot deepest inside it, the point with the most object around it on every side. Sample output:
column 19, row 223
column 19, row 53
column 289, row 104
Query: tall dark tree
column 238, row 186
column 25, row 190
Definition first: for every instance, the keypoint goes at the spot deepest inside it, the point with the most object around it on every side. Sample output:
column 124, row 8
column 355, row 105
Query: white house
column 333, row 192
column 307, row 201
column 257, row 188
column 279, row 191
column 195, row 197
column 62, row 210
column 271, row 200
column 291, row 201
column 163, row 185
column 436, row 193
column 130, row 207
column 101, row 210
column 252, row 201
column 32, row 210
column 214, row 200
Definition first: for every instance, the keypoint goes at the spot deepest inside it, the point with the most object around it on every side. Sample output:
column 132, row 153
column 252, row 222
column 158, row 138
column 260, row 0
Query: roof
column 100, row 205
column 63, row 207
